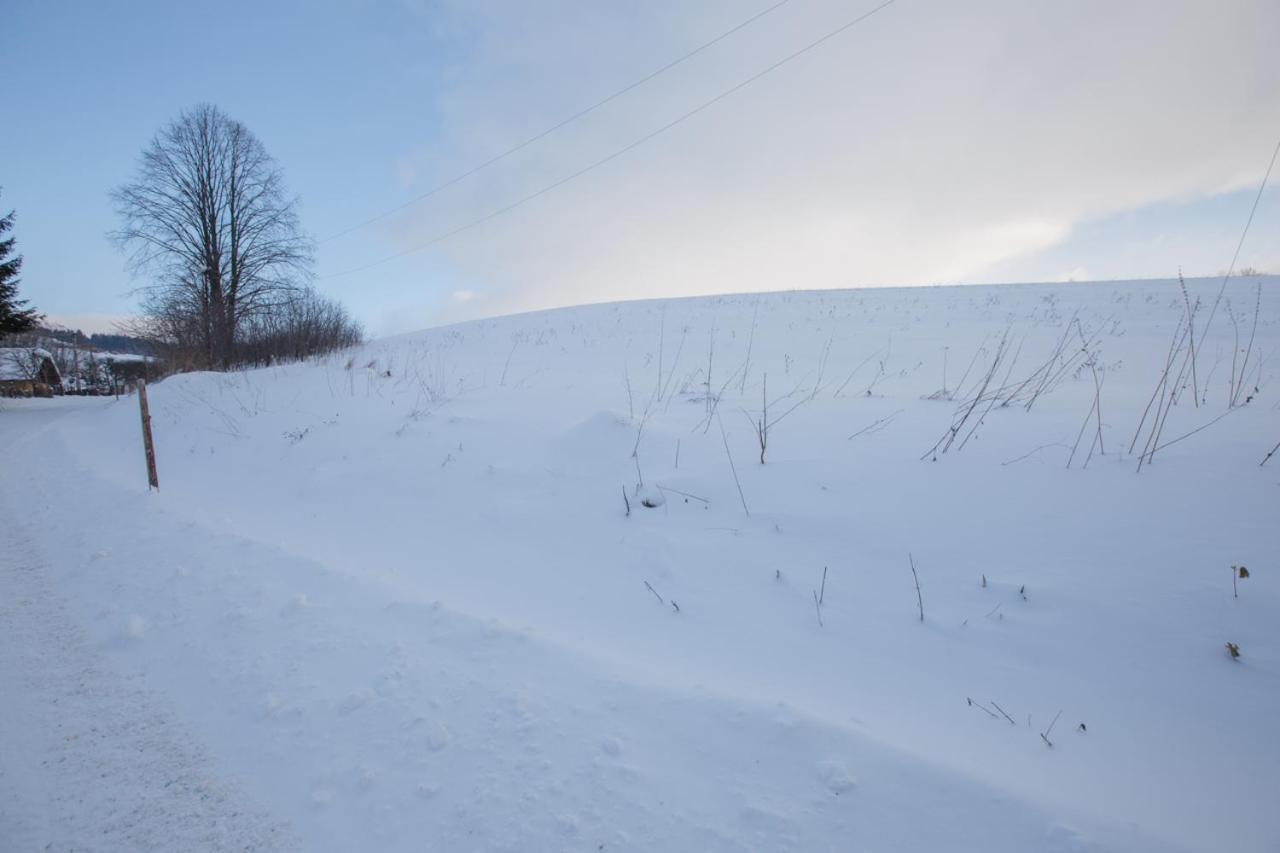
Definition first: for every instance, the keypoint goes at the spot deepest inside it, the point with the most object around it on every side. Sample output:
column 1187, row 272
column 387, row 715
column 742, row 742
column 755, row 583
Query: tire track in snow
column 89, row 759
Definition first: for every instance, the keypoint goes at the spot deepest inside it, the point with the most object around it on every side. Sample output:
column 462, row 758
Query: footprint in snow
column 1063, row 839
column 836, row 777
column 322, row 797
column 355, row 700
column 298, row 603
column 438, row 737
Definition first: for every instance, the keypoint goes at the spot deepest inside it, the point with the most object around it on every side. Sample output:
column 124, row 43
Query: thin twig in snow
column 876, row 425
column 732, row 467
column 684, row 494
column 1001, row 710
column 986, row 710
column 1270, row 453
column 919, row 597
column 1044, row 735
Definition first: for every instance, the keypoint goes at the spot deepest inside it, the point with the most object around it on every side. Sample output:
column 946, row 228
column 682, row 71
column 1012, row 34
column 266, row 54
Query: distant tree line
column 208, row 223
column 99, row 341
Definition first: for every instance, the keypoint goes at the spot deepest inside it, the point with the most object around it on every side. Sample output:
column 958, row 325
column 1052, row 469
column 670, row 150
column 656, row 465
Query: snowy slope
column 396, row 596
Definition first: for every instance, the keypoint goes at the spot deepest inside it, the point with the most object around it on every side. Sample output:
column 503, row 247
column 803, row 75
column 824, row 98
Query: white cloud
column 934, row 142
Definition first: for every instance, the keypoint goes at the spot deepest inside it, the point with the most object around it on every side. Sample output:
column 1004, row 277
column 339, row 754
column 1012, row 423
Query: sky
column 934, row 142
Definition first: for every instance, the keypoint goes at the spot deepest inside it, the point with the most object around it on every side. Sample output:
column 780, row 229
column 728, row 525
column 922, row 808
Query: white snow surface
column 393, row 600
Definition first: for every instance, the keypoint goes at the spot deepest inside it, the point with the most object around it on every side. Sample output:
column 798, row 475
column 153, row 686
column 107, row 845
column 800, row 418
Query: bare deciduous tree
column 208, row 219
column 308, row 324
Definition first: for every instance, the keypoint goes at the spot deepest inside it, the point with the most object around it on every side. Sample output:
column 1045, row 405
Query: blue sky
column 979, row 142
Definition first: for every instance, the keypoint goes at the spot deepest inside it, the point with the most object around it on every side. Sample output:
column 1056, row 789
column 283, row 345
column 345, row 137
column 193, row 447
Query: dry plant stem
column 880, row 372
column 1046, row 370
column 854, row 372
column 1013, row 363
column 995, row 398
column 983, row 708
column 662, row 340
column 944, row 373
column 626, row 380
column 682, row 494
column 1001, row 710
column 1031, row 453
column 666, row 388
column 1174, row 346
column 1080, row 434
column 977, row 352
column 705, row 423
column 1094, row 409
column 655, row 592
column 822, row 367
column 876, row 425
column 626, row 502
column 503, row 381
column 644, row 419
column 1244, row 365
column 751, row 339
column 1162, row 415
column 1186, row 435
column 967, row 408
column 1056, row 373
column 1235, row 353
column 711, row 352
column 733, row 468
column 1186, row 299
column 990, row 405
column 1270, row 453
column 822, row 593
column 817, row 606
column 1044, row 735
column 1167, row 395
column 762, row 425
column 1097, row 390
column 914, row 575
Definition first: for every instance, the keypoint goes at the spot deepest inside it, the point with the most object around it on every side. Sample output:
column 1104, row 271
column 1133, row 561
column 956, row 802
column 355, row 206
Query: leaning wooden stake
column 153, row 480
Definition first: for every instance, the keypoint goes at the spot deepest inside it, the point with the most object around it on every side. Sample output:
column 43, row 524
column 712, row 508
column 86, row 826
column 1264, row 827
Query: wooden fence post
column 153, row 480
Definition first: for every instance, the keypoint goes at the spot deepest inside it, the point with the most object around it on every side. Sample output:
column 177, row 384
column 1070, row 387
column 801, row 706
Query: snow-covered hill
column 525, row 584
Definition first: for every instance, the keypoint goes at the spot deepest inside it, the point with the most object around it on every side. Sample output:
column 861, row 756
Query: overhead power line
column 1240, row 245
column 557, row 126
column 619, row 152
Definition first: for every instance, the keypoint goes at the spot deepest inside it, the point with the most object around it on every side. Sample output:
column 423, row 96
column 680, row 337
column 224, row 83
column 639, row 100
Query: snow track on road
column 89, row 759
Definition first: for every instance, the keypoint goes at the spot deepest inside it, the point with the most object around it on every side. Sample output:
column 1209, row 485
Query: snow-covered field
column 393, row 600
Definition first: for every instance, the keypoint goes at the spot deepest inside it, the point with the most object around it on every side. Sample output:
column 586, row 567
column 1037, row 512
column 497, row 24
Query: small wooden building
column 28, row 372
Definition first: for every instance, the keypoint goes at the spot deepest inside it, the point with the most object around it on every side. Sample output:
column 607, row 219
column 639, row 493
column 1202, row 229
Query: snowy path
column 89, row 758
